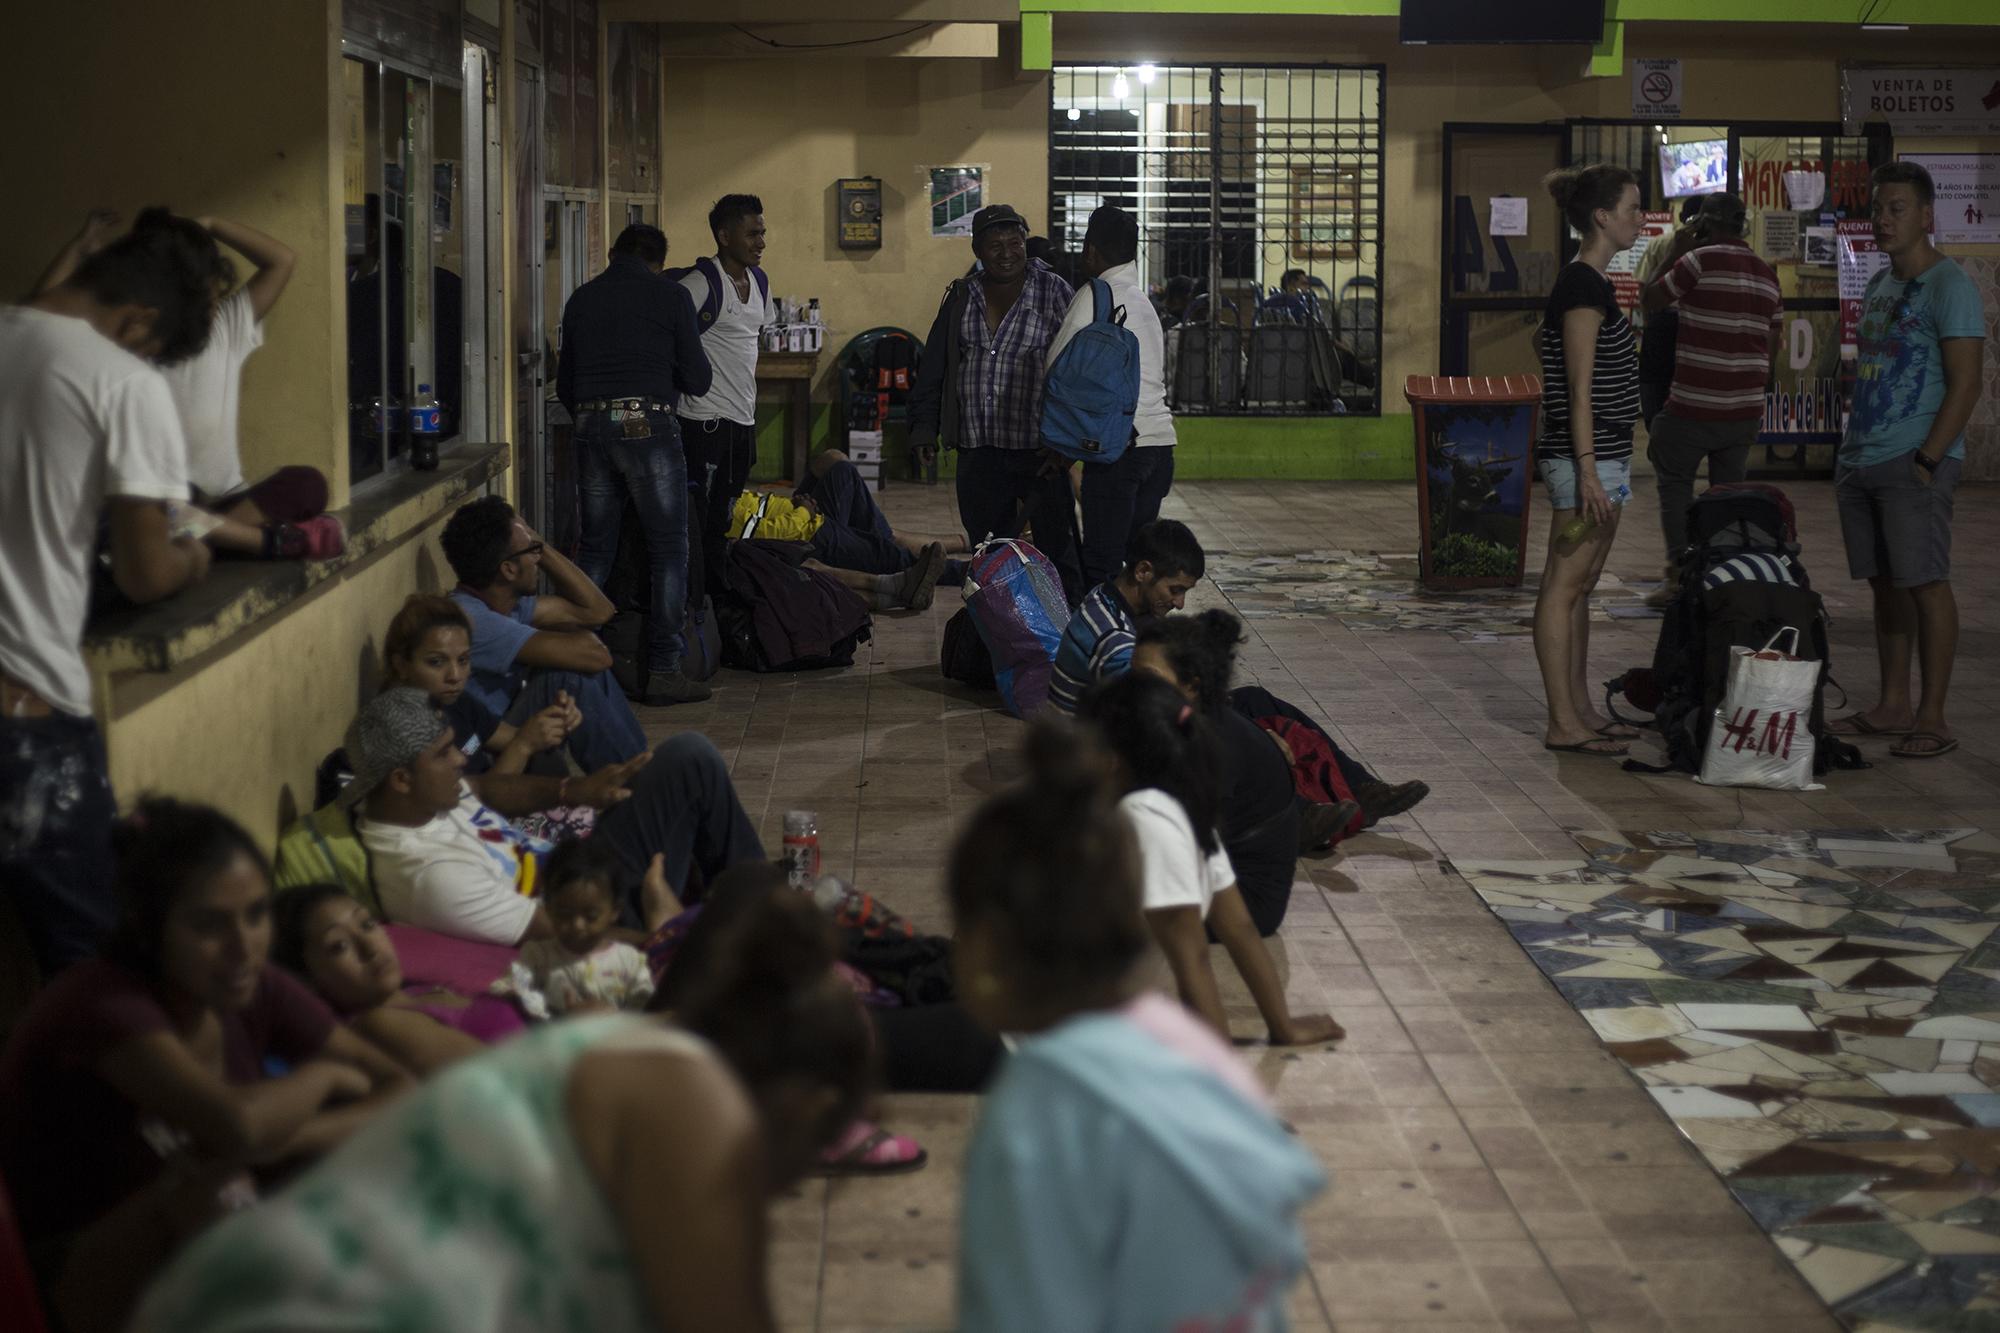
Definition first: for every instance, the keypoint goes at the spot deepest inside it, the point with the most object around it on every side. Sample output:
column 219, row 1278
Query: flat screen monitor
column 1460, row 22
column 1700, row 166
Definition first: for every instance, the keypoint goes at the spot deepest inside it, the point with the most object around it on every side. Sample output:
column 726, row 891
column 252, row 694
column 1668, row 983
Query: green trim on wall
column 1842, row 13
column 1295, row 448
column 1038, row 40
column 1607, row 58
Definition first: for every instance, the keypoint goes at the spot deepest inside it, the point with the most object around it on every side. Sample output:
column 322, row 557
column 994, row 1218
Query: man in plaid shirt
column 979, row 390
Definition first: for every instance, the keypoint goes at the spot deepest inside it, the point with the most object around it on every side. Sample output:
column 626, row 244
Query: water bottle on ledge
column 1576, row 529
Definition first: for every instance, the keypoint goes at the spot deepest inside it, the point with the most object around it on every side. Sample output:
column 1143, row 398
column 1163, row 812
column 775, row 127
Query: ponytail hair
column 755, row 979
column 1202, row 651
column 1051, row 868
column 420, row 614
column 164, row 848
column 1580, row 191
column 1163, row 743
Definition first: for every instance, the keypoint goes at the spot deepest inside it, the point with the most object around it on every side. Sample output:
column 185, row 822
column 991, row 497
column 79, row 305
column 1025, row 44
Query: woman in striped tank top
column 1590, row 398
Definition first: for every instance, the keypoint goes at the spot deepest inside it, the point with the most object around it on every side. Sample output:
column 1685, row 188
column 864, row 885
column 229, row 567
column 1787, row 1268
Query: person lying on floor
column 283, row 516
column 138, row 1095
column 1127, row 1172
column 847, row 536
column 443, row 859
column 636, row 1160
column 1168, row 767
column 530, row 647
column 1162, row 564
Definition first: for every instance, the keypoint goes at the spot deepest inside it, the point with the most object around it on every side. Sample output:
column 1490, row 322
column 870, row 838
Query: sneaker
column 1321, row 824
column 320, row 538
column 667, row 688
column 919, row 588
column 1379, row 800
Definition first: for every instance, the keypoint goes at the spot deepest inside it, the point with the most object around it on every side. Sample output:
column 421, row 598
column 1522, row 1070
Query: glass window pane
column 361, row 84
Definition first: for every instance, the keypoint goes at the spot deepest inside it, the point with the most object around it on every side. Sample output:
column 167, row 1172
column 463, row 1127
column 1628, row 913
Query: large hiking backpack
column 1092, row 390
column 778, row 616
column 711, row 272
column 630, row 588
column 1740, row 581
column 1017, row 603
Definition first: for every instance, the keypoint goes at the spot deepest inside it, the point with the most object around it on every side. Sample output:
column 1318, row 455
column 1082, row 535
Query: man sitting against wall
column 528, row 647
column 87, row 429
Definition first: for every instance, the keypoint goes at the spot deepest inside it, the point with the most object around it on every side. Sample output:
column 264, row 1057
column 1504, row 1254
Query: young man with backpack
column 732, row 301
column 1122, row 496
column 1916, row 383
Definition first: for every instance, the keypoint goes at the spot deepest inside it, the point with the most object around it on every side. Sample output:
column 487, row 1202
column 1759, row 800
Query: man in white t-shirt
column 1122, row 497
column 443, row 860
column 284, row 515
column 87, row 429
column 732, row 301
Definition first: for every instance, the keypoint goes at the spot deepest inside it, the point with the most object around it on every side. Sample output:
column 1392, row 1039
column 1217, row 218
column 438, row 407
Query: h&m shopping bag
column 1762, row 734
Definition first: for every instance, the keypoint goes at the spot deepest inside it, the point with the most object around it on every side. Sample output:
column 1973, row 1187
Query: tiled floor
column 1493, row 1165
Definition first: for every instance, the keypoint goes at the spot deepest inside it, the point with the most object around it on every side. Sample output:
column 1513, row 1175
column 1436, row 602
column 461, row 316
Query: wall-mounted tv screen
column 1457, row 22
column 1698, row 167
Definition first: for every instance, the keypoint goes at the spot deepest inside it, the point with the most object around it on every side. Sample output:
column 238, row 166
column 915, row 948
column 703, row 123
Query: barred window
column 1258, row 193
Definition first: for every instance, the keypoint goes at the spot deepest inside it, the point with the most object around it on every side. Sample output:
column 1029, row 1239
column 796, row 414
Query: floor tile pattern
column 1819, row 1012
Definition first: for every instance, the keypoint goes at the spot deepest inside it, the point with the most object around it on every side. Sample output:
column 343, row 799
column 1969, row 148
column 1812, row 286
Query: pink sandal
column 866, row 1149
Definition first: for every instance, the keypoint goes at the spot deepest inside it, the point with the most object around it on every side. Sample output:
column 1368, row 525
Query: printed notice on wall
column 1656, row 89
column 1968, row 196
column 1780, row 241
column 1510, row 216
column 1859, row 261
column 956, row 194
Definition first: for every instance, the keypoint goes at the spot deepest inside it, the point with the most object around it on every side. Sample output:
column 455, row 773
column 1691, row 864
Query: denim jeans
column 993, row 482
column 1118, row 499
column 719, row 456
column 684, row 806
column 56, row 813
column 856, row 534
column 639, row 456
column 610, row 733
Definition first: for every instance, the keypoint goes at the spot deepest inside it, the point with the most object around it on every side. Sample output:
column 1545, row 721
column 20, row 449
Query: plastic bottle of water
column 1578, row 527
column 801, row 854
column 426, row 428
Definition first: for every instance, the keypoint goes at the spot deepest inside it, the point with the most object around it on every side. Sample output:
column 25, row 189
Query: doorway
column 1496, row 273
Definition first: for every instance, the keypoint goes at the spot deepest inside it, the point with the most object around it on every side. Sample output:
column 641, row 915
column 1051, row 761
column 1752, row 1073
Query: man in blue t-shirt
column 1916, row 382
column 527, row 648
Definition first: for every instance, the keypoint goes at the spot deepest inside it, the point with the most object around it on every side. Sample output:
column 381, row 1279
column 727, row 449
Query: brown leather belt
column 21, row 701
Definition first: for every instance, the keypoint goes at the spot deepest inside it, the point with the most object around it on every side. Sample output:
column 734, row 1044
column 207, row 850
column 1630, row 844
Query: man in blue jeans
column 527, row 646
column 630, row 348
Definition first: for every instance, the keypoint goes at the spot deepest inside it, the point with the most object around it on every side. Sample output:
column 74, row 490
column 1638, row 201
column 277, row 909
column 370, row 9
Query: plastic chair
column 857, row 359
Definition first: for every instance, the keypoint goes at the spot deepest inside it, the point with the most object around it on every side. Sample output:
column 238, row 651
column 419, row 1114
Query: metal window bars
column 1239, row 176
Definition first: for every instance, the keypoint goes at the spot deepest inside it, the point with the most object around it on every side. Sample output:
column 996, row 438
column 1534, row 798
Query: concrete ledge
column 239, row 595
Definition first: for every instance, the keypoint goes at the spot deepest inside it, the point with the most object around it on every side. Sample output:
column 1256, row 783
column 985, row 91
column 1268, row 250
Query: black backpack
column 963, row 656
column 895, row 366
column 1733, row 592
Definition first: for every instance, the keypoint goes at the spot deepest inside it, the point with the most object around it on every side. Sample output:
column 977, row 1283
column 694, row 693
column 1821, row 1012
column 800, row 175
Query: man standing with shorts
column 1915, row 384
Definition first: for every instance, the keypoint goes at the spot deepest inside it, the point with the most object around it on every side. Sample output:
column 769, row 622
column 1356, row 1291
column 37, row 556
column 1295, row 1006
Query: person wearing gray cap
column 444, row 860
column 1730, row 323
column 979, row 390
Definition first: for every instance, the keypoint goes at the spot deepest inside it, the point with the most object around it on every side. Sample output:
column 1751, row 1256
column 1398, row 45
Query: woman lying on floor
column 137, row 1098
column 610, row 1173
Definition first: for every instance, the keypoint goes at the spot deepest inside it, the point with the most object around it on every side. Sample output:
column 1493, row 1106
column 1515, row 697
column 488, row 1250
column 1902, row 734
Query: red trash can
column 1475, row 476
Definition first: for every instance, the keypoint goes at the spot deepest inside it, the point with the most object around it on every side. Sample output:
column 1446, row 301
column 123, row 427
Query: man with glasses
column 1916, row 382
column 528, row 647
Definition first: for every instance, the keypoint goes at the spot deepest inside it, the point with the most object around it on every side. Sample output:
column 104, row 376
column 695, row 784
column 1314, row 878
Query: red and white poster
column 1623, row 270
column 1859, row 261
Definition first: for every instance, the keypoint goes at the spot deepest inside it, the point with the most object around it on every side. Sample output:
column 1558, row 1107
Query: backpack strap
column 711, row 305
column 763, row 283
column 1105, row 312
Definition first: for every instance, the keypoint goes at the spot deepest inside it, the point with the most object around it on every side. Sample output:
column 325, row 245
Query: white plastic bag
column 1762, row 734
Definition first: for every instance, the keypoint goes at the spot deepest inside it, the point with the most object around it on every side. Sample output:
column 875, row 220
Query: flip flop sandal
column 1856, row 724
column 1945, row 745
column 1611, row 731
column 1585, row 747
column 866, row 1150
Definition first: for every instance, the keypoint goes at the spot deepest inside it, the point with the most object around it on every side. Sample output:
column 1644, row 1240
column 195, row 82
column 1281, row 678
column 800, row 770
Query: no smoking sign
column 1656, row 89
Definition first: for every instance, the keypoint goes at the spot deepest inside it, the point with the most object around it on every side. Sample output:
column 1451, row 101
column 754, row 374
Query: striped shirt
column 1729, row 302
column 1096, row 646
column 1755, row 567
column 1614, row 375
column 1000, row 371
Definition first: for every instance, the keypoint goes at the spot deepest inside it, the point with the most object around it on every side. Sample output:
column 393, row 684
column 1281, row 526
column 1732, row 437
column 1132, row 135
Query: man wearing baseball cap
column 979, row 390
column 446, row 860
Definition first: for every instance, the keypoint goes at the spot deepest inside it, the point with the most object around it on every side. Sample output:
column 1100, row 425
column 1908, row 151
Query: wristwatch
column 1924, row 461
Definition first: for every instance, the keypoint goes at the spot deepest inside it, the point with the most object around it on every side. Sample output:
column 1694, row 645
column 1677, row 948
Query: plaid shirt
column 1000, row 372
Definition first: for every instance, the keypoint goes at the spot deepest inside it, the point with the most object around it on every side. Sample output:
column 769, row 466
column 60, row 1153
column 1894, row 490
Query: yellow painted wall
column 244, row 727
column 224, row 107
column 787, row 130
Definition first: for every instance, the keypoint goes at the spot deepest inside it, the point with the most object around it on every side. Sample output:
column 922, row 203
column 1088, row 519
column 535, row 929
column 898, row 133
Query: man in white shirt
column 732, row 301
column 1120, row 498
column 444, row 860
column 87, row 428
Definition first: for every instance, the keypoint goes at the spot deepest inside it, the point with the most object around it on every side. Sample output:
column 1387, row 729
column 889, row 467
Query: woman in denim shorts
column 1590, row 398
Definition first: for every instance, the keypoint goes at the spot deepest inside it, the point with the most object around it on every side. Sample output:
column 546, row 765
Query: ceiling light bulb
column 1075, row 114
column 1121, row 87
column 1147, row 73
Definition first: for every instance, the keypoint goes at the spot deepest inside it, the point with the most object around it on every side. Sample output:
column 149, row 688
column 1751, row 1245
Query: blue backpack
column 1093, row 388
column 711, row 271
